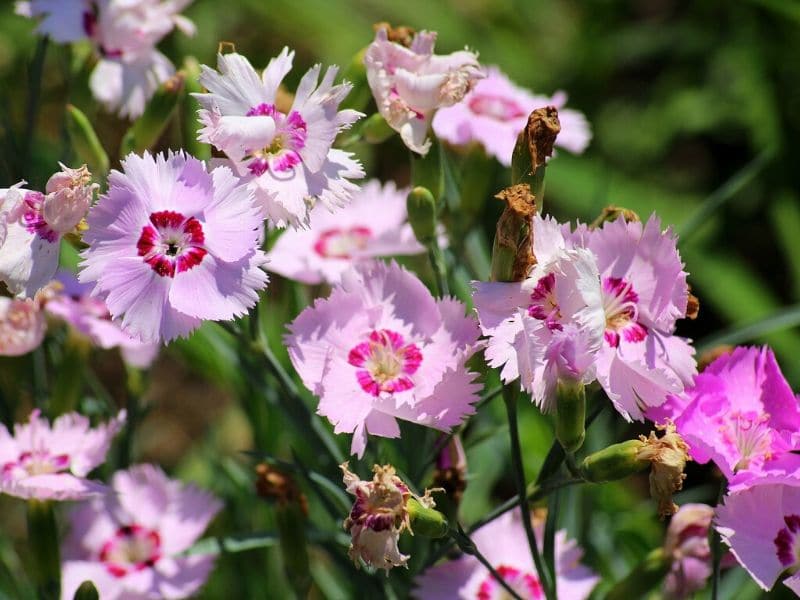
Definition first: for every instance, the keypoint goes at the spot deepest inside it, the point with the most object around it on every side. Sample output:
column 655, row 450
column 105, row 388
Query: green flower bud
column 422, row 214
column 146, row 130
column 426, row 521
column 86, row 591
column 85, row 142
column 615, row 462
column 570, row 414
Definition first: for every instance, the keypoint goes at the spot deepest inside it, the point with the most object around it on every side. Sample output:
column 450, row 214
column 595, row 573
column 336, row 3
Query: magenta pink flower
column 89, row 316
column 374, row 224
column 33, row 225
column 551, row 324
column 742, row 415
column 51, row 463
column 130, row 542
column 171, row 244
column 505, row 546
column 496, row 111
column 286, row 158
column 381, row 348
column 761, row 525
column 410, row 83
column 644, row 293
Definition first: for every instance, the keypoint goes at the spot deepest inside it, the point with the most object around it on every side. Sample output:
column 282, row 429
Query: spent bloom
column 374, row 224
column 34, row 225
column 379, row 348
column 284, row 155
column 644, row 293
column 378, row 517
column 505, row 546
column 410, row 82
column 761, row 525
column 125, row 35
column 548, row 326
column 89, row 316
column 171, row 244
column 687, row 549
column 496, row 111
column 130, row 541
column 742, row 415
column 44, row 462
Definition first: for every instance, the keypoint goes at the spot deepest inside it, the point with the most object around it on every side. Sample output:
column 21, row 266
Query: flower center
column 385, row 362
column 282, row 153
column 36, row 462
column 750, row 434
column 620, row 306
column 171, row 242
column 131, row 548
column 544, row 304
column 32, row 217
column 526, row 585
column 495, row 107
column 342, row 243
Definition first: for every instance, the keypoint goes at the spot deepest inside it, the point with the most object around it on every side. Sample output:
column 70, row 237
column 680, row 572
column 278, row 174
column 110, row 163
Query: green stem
column 43, row 541
column 34, row 94
column 467, row 546
column 550, row 526
column 510, row 398
column 439, row 267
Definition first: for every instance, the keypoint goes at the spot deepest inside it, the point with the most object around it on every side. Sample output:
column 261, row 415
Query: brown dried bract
column 273, row 484
column 541, row 131
column 709, row 356
column 513, row 227
column 400, row 35
column 612, row 213
column 692, row 305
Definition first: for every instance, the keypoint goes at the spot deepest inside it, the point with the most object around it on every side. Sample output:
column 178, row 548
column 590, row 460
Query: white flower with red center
column 286, row 158
column 761, row 525
column 382, row 348
column 89, row 315
column 644, row 294
column 505, row 546
column 548, row 326
column 172, row 244
column 410, row 83
column 374, row 224
column 45, row 462
column 496, row 111
column 34, row 225
column 131, row 541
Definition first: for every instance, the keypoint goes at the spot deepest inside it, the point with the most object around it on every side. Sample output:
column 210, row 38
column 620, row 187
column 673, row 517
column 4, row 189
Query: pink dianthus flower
column 496, row 111
column 171, row 244
column 44, row 462
column 379, row 348
column 287, row 159
column 129, row 542
column 374, row 224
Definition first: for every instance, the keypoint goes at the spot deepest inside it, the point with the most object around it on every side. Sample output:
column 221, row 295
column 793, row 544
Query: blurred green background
column 694, row 106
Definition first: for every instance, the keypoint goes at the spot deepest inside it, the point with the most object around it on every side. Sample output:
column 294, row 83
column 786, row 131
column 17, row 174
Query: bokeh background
column 695, row 109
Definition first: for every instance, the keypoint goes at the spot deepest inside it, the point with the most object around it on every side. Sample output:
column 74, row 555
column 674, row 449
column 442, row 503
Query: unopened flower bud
column 570, row 414
column 86, row 591
column 422, row 214
column 686, row 546
column 614, row 462
column 667, row 455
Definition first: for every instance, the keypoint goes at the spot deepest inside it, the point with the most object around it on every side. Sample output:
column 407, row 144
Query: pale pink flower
column 172, row 244
column 496, row 111
column 505, row 546
column 44, row 462
column 34, row 225
column 374, row 224
column 379, row 348
column 90, row 317
column 686, row 547
column 22, row 323
column 410, row 83
column 549, row 325
column 644, row 293
column 286, row 158
column 761, row 525
column 130, row 541
column 742, row 414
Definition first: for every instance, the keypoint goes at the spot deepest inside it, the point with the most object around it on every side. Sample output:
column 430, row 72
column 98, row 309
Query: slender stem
column 439, row 268
column 716, row 548
column 510, row 398
column 34, row 93
column 462, row 539
column 548, row 548
column 43, row 542
column 133, row 410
